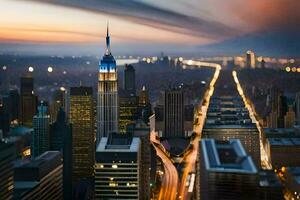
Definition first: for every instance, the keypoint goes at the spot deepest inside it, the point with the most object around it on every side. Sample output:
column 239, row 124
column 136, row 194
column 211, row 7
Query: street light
column 50, row 69
column 30, row 69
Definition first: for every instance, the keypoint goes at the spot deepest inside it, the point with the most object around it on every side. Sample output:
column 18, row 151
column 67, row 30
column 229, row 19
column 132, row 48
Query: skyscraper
column 278, row 108
column 128, row 110
column 41, row 136
column 173, row 113
column 118, row 168
column 107, row 98
column 61, row 140
column 129, row 79
column 28, row 101
column 144, row 107
column 289, row 118
column 297, row 106
column 14, row 104
column 250, row 59
column 83, row 136
column 7, row 156
column 58, row 101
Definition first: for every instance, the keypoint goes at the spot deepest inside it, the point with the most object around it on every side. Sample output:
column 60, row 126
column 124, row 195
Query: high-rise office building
column 58, row 101
column 226, row 171
column 107, row 98
column 28, row 101
column 129, row 79
column 297, row 108
column 4, row 79
column 41, row 137
column 83, row 135
column 61, row 140
column 144, row 106
column 14, row 104
column 7, row 156
column 173, row 113
column 118, row 168
column 250, row 59
column 40, row 178
column 279, row 108
column 4, row 116
column 128, row 110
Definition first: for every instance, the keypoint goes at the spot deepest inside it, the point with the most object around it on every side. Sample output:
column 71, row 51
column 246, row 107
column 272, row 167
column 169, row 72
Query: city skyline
column 185, row 100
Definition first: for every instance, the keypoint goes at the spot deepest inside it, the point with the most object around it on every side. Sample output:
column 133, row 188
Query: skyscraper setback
column 107, row 98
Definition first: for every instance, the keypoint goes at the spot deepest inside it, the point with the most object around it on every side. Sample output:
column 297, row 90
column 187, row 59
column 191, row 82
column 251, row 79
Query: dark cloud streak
column 152, row 16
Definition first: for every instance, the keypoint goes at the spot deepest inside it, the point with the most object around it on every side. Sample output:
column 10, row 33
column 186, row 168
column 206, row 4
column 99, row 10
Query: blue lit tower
column 107, row 100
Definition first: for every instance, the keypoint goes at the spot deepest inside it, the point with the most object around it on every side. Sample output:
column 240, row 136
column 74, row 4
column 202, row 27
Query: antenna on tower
column 107, row 51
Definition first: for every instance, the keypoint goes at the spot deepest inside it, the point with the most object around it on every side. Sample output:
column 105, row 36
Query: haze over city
column 149, row 99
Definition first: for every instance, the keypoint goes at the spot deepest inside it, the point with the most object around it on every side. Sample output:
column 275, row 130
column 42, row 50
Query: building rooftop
column 226, row 157
column 284, row 141
column 37, row 168
column 119, row 143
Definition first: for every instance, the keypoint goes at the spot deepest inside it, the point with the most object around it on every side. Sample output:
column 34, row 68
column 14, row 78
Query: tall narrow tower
column 107, row 100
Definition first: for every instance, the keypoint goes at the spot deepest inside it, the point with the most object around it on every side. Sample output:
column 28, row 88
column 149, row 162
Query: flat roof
column 104, row 146
column 226, row 157
column 284, row 141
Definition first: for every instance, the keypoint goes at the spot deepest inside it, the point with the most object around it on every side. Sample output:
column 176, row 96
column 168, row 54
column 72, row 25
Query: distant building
column 118, row 168
column 289, row 118
column 107, row 97
column 129, row 79
column 58, row 101
column 227, row 118
column 226, row 171
column 61, row 140
column 40, row 178
column 263, row 63
column 4, row 79
column 144, row 105
column 83, row 135
column 297, row 106
column 250, row 59
column 4, row 117
column 28, row 101
column 41, row 136
column 278, row 108
column 7, row 157
column 14, row 104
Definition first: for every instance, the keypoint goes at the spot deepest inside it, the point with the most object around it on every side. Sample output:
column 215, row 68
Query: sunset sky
column 138, row 25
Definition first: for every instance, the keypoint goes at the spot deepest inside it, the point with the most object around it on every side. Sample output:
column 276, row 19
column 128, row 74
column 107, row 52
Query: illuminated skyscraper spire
column 107, row 98
column 107, row 51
